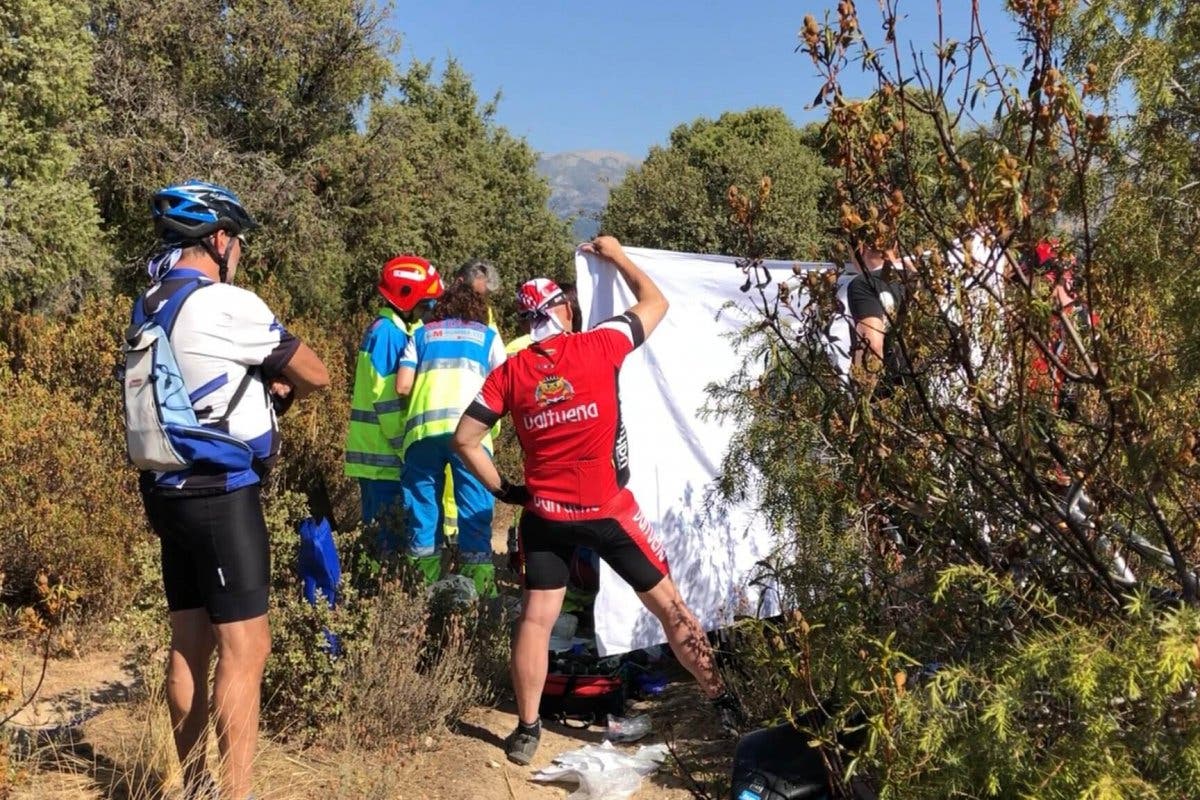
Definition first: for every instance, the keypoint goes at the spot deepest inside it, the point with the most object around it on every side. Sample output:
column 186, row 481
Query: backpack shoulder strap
column 237, row 396
column 175, row 303
column 166, row 311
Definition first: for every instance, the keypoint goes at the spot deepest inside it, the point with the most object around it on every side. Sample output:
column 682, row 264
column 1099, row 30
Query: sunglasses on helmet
column 528, row 314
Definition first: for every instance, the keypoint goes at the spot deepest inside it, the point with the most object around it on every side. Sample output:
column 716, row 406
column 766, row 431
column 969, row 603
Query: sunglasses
column 528, row 314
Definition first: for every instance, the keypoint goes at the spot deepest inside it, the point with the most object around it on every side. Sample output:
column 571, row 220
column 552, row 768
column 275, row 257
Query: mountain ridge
column 580, row 181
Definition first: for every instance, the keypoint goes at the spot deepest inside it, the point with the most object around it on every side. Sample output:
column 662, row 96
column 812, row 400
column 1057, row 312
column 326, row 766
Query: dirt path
column 470, row 762
column 72, row 687
column 111, row 743
column 122, row 750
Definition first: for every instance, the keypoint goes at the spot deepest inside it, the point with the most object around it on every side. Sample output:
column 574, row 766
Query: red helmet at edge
column 537, row 295
column 407, row 280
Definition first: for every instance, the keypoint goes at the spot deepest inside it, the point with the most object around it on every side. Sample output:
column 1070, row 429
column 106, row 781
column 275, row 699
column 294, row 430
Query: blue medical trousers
column 424, row 479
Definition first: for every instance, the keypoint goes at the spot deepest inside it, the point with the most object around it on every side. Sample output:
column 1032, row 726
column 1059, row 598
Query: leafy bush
column 402, row 670
column 73, row 512
column 302, row 686
column 996, row 563
column 1065, row 710
column 419, row 669
column 76, row 356
column 1062, row 709
column 52, row 253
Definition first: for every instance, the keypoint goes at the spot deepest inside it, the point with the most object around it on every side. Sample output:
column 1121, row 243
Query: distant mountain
column 580, row 182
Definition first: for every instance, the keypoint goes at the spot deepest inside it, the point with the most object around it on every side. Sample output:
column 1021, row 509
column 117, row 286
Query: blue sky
column 619, row 75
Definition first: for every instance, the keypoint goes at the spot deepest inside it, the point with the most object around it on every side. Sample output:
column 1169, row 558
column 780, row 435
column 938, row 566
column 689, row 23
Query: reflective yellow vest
column 518, row 344
column 377, row 413
column 451, row 359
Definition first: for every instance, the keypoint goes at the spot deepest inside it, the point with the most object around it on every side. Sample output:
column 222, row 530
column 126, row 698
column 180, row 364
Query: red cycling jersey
column 562, row 395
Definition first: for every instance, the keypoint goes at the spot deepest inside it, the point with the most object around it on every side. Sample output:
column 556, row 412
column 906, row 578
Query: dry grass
column 419, row 670
column 127, row 753
column 416, row 672
column 136, row 761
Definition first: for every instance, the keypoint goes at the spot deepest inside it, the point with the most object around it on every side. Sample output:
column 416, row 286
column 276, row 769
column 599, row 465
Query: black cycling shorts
column 621, row 536
column 215, row 552
column 865, row 295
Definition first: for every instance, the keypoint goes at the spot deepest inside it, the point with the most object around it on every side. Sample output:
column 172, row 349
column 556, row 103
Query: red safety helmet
column 1046, row 253
column 408, row 280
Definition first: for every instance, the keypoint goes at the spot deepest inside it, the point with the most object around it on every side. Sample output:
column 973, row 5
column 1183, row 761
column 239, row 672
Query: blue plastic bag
column 319, row 565
column 320, row 569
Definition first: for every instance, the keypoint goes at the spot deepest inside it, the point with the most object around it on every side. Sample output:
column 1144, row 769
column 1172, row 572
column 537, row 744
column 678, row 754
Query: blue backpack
column 162, row 432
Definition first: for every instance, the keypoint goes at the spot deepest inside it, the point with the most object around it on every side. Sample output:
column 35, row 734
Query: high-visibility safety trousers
column 424, row 481
column 449, row 511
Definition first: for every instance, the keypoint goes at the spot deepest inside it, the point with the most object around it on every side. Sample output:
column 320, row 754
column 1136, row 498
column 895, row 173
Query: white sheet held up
column 675, row 456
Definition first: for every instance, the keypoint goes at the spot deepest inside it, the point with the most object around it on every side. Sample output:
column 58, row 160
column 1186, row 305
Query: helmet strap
column 222, row 259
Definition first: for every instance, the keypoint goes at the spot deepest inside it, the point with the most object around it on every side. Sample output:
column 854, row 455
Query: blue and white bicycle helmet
column 194, row 210
column 189, row 213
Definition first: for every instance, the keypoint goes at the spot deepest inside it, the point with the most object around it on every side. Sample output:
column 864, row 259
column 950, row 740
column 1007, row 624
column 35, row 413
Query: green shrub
column 402, row 671
column 314, row 430
column 75, row 513
column 1061, row 710
column 1067, row 710
column 302, row 686
column 418, row 670
column 71, row 508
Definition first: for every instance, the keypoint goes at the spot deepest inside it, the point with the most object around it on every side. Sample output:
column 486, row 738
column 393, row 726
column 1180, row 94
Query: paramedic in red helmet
column 409, row 286
column 561, row 393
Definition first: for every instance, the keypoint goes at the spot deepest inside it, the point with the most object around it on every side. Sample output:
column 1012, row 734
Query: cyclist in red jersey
column 561, row 393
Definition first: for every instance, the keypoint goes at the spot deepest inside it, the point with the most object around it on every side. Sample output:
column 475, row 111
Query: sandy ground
column 123, row 752
column 110, row 744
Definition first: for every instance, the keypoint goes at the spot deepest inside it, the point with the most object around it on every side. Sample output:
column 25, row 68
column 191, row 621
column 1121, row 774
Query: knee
column 193, row 651
column 245, row 658
column 539, row 616
column 538, row 619
column 262, row 648
column 247, row 651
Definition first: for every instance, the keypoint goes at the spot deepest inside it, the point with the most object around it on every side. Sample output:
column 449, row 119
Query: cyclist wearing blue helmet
column 240, row 367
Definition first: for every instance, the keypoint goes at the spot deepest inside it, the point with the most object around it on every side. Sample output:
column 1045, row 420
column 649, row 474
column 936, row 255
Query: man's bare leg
column 192, row 645
column 531, row 650
column 242, row 650
column 686, row 637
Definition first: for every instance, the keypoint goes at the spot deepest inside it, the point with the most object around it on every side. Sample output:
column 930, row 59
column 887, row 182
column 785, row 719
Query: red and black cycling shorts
column 617, row 532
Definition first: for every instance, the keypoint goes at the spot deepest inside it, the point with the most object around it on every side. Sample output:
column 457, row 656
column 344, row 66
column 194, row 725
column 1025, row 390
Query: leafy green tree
column 51, row 249
column 1144, row 60
column 297, row 107
column 1013, row 498
column 677, row 199
column 435, row 175
column 241, row 94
